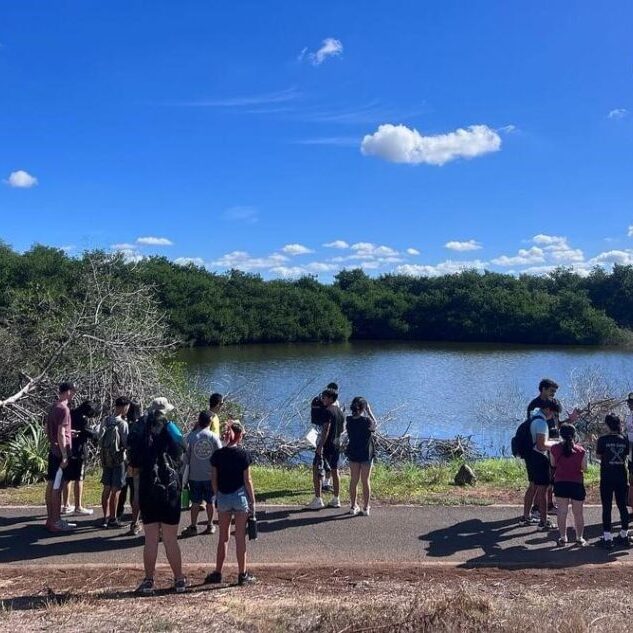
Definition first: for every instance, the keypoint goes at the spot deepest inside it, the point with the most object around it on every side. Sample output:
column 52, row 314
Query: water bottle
column 185, row 501
column 252, row 528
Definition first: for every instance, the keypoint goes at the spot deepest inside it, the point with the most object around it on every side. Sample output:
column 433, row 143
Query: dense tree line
column 207, row 308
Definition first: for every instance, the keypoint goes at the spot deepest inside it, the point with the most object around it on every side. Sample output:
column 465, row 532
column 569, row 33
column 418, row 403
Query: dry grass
column 415, row 599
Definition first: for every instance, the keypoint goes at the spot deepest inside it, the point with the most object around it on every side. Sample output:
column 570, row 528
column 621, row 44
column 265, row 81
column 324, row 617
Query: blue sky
column 420, row 137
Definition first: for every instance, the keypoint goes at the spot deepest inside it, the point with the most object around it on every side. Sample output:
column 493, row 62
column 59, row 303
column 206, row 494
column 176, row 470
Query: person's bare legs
column 528, row 500
column 113, row 501
column 48, row 497
column 336, row 482
column 172, row 549
column 317, row 480
column 104, row 502
column 541, row 502
column 65, row 493
column 195, row 511
column 579, row 519
column 365, row 474
column 241, row 519
column 562, row 517
column 354, row 476
column 210, row 514
column 224, row 520
column 78, row 492
column 150, row 549
column 56, row 505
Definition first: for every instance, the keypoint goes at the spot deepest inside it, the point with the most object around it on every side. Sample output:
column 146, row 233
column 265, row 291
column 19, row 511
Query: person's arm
column 250, row 493
column 325, row 431
column 371, row 416
column 124, row 433
column 542, row 444
column 61, row 442
column 584, row 466
column 552, row 459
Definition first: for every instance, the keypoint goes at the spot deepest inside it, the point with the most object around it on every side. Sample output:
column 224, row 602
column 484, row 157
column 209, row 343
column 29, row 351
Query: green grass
column 498, row 481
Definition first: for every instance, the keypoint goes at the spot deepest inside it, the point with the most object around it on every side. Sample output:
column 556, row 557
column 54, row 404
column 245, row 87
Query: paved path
column 471, row 536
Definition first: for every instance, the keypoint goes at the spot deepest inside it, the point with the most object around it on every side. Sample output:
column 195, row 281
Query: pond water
column 425, row 389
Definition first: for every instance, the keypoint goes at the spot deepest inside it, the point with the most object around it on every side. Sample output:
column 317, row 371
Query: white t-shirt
column 539, row 426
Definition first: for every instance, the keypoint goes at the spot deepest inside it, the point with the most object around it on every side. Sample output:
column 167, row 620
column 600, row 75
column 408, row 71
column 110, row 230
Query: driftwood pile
column 267, row 448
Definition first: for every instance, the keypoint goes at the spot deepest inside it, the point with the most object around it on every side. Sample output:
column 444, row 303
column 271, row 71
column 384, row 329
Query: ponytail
column 568, row 433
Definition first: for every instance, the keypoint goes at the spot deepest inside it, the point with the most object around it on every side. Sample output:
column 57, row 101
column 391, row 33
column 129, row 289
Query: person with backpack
column 532, row 442
column 159, row 456
column 569, row 461
column 112, row 445
column 613, row 451
column 235, row 496
column 360, row 427
column 82, row 434
column 135, row 428
column 317, row 418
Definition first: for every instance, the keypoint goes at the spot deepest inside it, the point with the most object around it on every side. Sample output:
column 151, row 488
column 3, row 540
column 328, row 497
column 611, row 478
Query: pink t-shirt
column 568, row 468
column 59, row 416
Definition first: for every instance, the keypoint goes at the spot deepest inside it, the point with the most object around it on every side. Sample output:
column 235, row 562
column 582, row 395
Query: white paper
column 312, row 437
column 58, row 479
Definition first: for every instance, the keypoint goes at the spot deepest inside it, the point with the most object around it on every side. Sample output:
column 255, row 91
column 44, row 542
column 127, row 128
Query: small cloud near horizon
column 154, row 241
column 467, row 245
column 296, row 249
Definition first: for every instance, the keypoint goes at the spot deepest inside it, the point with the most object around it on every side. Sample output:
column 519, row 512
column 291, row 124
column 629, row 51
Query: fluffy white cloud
column 612, row 257
column 243, row 261
column 549, row 240
column 123, row 247
column 525, row 256
column 448, row 267
column 296, row 249
column 618, row 113
column 367, row 249
column 413, row 251
column 630, row 232
column 400, row 144
column 468, row 245
column 341, row 244
column 558, row 249
column 21, row 179
column 129, row 252
column 154, row 241
column 330, row 47
column 185, row 261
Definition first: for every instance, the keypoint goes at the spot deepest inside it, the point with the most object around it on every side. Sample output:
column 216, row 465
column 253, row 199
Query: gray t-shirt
column 200, row 446
column 539, row 427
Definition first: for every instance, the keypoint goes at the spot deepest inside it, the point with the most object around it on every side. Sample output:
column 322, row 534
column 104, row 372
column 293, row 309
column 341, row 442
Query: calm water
column 428, row 390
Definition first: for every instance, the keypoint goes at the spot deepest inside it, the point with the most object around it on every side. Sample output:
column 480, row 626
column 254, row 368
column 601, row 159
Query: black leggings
column 607, row 490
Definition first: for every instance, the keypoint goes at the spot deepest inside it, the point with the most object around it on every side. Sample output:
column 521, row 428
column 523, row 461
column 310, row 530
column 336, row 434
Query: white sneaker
column 335, row 502
column 64, row 526
column 354, row 511
column 315, row 504
column 66, row 510
column 83, row 511
column 365, row 512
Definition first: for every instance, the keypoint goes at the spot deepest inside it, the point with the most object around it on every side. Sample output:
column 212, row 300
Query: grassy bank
column 498, row 481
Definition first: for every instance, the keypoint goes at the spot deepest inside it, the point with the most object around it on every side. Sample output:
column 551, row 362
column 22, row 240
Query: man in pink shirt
column 58, row 430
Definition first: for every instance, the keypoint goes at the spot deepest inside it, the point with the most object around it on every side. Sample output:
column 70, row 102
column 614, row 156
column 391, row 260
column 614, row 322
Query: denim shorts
column 200, row 491
column 234, row 502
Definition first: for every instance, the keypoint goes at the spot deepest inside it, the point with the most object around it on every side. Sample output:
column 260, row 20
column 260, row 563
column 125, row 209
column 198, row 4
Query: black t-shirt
column 360, row 432
column 231, row 462
column 552, row 424
column 335, row 418
column 613, row 450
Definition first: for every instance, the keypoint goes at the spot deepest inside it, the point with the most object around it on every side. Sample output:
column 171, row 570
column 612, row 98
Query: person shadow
column 505, row 544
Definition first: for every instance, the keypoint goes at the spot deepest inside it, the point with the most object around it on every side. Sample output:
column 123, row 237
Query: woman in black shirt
column 360, row 427
column 613, row 451
column 235, row 497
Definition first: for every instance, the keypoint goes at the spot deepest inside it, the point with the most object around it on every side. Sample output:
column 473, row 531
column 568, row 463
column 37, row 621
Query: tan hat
column 161, row 404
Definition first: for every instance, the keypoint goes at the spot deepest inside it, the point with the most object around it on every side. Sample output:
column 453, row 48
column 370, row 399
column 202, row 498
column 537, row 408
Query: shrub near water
column 25, row 456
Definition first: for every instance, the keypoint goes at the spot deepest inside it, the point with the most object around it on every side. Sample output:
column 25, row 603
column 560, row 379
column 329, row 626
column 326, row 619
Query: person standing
column 82, row 434
column 201, row 445
column 628, row 425
column 570, row 462
column 236, row 499
column 360, row 427
column 613, row 451
column 328, row 450
column 216, row 402
column 59, row 433
column 113, row 445
column 159, row 456
column 136, row 428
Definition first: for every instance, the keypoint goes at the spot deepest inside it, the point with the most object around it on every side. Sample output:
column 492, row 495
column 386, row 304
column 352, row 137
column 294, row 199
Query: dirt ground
column 348, row 599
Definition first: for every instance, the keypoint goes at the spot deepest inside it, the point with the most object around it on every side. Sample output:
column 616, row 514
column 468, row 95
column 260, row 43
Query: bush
column 26, row 456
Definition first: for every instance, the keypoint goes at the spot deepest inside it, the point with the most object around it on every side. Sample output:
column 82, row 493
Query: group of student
column 556, row 463
column 145, row 453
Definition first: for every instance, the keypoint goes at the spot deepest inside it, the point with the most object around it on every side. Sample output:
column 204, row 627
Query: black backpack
column 522, row 443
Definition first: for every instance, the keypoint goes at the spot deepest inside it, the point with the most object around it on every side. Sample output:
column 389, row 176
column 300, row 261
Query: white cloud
column 330, row 47
column 342, row 244
column 296, row 249
column 468, row 245
column 154, row 241
column 367, row 249
column 558, row 249
column 185, row 261
column 448, row 267
column 129, row 251
column 630, row 232
column 507, row 129
column 123, row 247
column 400, row 144
column 246, row 214
column 549, row 240
column 618, row 113
column 525, row 256
column 21, row 179
column 613, row 257
column 413, row 251
column 243, row 261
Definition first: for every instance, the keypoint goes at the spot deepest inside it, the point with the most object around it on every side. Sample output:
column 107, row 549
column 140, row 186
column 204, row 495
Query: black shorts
column 54, row 462
column 151, row 512
column 75, row 470
column 538, row 468
column 569, row 490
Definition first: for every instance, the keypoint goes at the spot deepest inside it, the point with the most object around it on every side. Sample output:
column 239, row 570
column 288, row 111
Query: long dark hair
column 568, row 434
column 359, row 404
